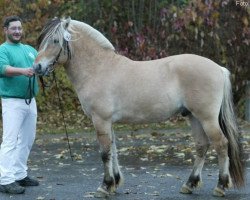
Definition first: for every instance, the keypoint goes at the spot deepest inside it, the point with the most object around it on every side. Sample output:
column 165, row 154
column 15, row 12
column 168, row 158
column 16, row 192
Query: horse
column 115, row 89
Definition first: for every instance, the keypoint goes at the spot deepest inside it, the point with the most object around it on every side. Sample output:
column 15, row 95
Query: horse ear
column 66, row 22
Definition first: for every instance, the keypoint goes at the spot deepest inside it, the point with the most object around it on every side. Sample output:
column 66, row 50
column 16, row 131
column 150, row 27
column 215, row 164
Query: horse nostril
column 39, row 67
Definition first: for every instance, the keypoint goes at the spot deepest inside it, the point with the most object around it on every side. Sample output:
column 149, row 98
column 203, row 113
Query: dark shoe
column 12, row 188
column 27, row 181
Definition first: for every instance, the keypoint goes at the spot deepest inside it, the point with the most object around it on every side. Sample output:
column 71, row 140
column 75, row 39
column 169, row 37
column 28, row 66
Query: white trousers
column 19, row 130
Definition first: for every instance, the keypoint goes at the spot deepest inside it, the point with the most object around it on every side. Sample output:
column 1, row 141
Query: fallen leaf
column 40, row 198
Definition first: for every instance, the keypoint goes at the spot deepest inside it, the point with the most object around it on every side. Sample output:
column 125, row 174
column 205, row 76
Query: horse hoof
column 218, row 192
column 101, row 193
column 200, row 184
column 185, row 189
column 230, row 184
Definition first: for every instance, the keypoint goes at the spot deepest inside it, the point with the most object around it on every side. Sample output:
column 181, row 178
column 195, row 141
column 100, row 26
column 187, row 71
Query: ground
column 155, row 164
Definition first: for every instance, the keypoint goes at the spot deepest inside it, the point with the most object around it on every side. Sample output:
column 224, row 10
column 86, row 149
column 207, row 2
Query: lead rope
column 63, row 116
column 30, row 91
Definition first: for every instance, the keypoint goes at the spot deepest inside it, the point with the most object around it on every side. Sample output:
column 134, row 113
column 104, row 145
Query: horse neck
column 88, row 58
column 90, row 48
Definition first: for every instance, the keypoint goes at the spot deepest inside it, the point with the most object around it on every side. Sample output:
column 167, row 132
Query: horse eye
column 56, row 41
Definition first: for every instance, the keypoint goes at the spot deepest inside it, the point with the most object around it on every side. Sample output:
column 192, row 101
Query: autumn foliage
column 149, row 29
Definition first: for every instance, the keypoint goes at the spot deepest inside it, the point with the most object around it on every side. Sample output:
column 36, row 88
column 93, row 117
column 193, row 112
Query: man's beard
column 13, row 40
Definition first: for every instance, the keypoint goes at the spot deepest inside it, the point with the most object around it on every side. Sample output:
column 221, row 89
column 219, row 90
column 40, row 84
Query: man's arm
column 14, row 71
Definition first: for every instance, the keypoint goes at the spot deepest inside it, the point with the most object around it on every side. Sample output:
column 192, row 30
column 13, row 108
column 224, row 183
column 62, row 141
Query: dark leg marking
column 105, row 156
column 223, row 181
column 193, row 181
column 117, row 178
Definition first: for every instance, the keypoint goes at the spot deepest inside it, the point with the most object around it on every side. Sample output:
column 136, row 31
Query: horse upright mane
column 55, row 26
column 94, row 34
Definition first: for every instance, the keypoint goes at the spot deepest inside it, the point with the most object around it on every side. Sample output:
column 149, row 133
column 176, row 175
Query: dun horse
column 113, row 88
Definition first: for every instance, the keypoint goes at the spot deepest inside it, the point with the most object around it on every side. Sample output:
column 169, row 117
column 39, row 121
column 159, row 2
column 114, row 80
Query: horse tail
column 228, row 124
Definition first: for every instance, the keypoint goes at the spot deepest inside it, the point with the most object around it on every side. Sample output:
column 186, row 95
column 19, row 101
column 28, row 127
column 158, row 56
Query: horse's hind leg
column 104, row 137
column 116, row 168
column 202, row 145
column 220, row 143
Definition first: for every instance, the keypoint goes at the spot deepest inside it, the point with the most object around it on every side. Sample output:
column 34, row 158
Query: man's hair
column 10, row 19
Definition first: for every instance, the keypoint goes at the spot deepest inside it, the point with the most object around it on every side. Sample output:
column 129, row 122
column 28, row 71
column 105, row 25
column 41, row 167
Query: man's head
column 13, row 29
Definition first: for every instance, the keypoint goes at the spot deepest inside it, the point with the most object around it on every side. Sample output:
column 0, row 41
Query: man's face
column 14, row 32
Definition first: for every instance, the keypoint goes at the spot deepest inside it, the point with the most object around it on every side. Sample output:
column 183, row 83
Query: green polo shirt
column 21, row 56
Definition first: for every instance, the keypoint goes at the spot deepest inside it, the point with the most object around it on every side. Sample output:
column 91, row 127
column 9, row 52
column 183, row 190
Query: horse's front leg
column 104, row 137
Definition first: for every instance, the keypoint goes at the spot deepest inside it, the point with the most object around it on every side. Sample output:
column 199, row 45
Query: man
column 17, row 84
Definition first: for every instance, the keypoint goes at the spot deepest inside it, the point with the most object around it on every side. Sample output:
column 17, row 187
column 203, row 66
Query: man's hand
column 28, row 72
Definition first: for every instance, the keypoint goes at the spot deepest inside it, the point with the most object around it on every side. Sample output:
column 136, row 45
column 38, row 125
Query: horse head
column 54, row 46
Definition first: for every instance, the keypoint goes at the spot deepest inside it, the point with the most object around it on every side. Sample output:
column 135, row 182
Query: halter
column 65, row 44
column 66, row 49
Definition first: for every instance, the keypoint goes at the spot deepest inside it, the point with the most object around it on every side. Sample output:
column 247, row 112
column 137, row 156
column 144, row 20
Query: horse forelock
column 53, row 29
column 47, row 30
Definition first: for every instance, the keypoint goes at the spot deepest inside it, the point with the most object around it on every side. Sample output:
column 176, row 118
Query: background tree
column 144, row 30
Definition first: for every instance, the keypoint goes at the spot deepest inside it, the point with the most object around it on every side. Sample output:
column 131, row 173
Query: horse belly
column 146, row 112
column 144, row 117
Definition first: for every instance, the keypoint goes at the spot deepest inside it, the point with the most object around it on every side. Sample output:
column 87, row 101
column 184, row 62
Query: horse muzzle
column 42, row 71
